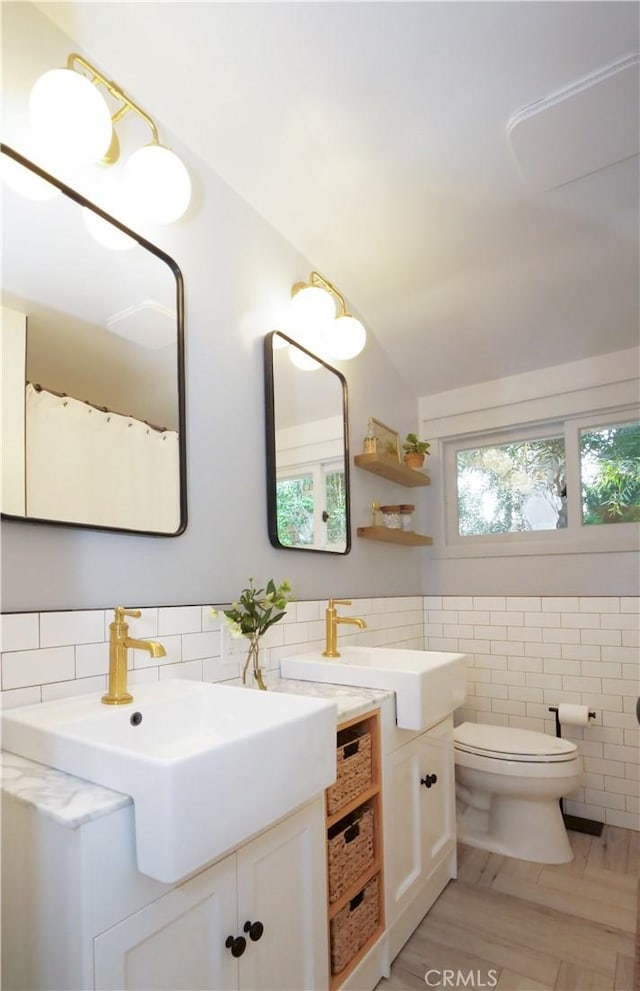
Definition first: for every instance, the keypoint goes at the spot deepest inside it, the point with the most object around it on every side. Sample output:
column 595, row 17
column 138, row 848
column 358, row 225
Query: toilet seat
column 511, row 744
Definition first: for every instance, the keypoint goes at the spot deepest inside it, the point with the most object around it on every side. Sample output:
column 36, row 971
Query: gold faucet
column 331, row 622
column 119, row 641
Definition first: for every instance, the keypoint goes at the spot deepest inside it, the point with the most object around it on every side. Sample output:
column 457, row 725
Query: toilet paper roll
column 573, row 715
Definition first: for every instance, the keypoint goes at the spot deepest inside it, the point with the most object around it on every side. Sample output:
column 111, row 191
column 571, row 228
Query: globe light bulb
column 70, row 117
column 311, row 307
column 156, row 185
column 346, row 338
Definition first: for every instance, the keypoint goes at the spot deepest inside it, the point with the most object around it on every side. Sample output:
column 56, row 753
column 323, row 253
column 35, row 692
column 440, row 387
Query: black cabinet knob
column 255, row 930
column 428, row 780
column 237, row 945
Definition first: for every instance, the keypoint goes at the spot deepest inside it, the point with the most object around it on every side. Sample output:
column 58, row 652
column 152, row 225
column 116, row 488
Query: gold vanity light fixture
column 312, row 320
column 74, row 125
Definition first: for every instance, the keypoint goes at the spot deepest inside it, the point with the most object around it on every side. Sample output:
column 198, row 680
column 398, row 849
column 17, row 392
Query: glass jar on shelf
column 370, row 442
column 391, row 517
column 406, row 516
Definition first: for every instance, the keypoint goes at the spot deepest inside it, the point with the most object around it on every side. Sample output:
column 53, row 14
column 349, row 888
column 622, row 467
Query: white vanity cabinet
column 93, row 921
column 176, row 941
column 420, row 836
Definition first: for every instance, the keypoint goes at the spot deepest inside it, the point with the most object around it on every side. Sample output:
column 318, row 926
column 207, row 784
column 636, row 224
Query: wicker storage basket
column 350, row 851
column 353, row 925
column 354, row 769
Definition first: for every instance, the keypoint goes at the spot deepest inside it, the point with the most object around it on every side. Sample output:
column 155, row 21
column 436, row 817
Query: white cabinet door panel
column 176, row 941
column 419, row 799
column 402, row 796
column 282, row 884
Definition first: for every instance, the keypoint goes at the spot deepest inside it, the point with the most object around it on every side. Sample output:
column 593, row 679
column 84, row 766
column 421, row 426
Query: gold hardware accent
column 119, row 641
column 113, row 152
column 315, row 279
column 331, row 625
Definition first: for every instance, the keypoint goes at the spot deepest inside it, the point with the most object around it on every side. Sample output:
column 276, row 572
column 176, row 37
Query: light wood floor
column 570, row 927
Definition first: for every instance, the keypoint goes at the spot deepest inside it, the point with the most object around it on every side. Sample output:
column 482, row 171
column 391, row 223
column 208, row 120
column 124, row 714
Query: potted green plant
column 415, row 451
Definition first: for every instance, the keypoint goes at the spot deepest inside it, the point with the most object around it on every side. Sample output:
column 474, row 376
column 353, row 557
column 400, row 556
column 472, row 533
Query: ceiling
column 374, row 137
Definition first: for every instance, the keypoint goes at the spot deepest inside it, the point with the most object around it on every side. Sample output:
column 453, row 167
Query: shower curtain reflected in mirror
column 99, row 467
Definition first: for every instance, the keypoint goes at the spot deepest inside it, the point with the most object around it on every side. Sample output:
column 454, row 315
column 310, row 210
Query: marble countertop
column 69, row 800
column 73, row 801
column 351, row 702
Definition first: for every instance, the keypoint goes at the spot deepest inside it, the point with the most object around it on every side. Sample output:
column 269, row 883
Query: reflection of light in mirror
column 105, row 233
column 24, row 182
column 70, row 117
column 302, row 360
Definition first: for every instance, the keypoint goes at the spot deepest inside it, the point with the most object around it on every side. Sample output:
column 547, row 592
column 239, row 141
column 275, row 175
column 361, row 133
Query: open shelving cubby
column 367, row 876
column 398, row 472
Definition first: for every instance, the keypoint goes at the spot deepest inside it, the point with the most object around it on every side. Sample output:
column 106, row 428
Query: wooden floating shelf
column 395, row 471
column 390, row 536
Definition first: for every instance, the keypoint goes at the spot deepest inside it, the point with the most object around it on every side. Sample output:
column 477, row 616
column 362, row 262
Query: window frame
column 577, row 537
column 319, row 470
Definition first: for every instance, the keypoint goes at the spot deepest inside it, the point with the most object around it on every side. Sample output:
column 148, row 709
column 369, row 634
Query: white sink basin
column 428, row 684
column 207, row 766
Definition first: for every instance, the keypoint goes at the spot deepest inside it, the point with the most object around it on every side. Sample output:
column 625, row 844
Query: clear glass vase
column 253, row 662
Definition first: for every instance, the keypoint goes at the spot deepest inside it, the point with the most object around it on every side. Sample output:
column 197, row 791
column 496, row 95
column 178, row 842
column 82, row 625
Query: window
column 304, row 521
column 610, row 474
column 513, row 487
column 547, row 489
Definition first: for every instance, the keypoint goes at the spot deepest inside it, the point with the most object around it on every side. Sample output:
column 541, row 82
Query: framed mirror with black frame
column 93, row 416
column 307, row 446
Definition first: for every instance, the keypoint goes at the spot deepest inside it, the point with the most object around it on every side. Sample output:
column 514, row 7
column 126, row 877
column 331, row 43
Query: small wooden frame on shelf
column 389, row 535
column 385, row 440
column 389, row 468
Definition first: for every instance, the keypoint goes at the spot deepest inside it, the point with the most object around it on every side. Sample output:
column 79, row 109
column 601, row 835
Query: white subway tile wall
column 525, row 654
column 529, row 653
column 51, row 654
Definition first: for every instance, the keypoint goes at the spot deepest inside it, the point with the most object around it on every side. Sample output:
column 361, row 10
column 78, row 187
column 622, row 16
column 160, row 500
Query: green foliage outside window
column 610, row 474
column 512, row 487
column 336, row 508
column 295, row 511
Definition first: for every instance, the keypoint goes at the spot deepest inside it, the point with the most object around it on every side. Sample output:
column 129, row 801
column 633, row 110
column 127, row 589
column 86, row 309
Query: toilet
column 508, row 785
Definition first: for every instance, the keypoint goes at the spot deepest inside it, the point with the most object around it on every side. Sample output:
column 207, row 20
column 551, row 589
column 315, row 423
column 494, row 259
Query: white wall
column 591, row 386
column 238, row 272
column 526, row 653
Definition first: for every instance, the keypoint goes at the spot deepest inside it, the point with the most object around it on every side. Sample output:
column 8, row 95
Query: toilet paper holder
column 556, row 711
column 577, row 823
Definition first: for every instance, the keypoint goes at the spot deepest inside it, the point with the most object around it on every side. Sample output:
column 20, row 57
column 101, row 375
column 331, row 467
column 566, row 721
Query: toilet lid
column 509, row 743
